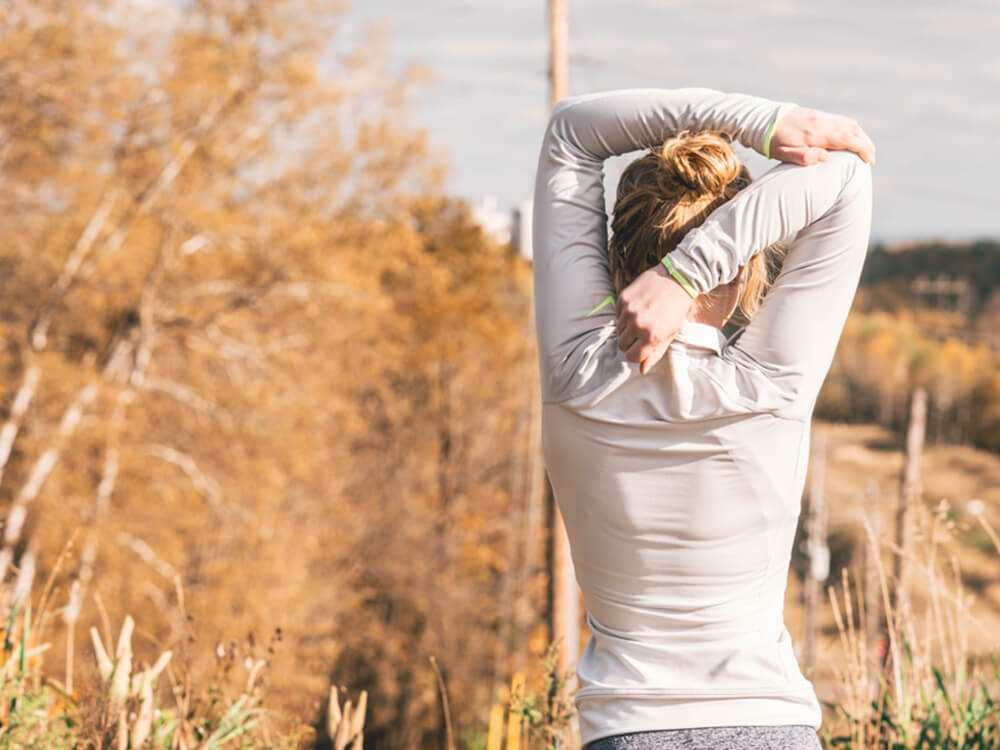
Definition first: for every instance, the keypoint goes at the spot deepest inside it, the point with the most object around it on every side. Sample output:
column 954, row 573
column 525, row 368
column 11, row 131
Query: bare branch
column 231, row 348
column 147, row 555
column 126, row 395
column 207, row 486
column 181, row 393
column 25, row 393
column 292, row 341
column 39, row 331
column 172, row 613
column 166, row 177
column 147, row 314
column 102, row 503
column 40, row 472
column 25, row 573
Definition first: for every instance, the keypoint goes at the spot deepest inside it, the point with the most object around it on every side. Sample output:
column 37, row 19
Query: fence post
column 909, row 494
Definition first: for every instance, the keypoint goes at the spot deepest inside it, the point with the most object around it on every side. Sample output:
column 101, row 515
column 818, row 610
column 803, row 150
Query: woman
column 680, row 480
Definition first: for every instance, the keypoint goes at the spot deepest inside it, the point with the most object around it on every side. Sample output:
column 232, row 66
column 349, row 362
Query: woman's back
column 675, row 513
column 681, row 507
column 680, row 488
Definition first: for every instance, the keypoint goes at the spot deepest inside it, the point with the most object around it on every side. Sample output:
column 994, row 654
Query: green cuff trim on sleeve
column 774, row 124
column 685, row 284
column 609, row 300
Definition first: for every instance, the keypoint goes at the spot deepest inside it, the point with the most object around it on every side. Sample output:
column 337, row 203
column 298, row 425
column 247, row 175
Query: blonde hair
column 668, row 192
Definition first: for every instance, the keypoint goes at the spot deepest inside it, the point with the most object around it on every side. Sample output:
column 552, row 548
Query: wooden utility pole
column 558, row 51
column 816, row 546
column 565, row 597
column 909, row 494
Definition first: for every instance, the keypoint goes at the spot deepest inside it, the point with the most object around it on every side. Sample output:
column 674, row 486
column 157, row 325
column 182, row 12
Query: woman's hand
column 651, row 309
column 804, row 136
column 649, row 314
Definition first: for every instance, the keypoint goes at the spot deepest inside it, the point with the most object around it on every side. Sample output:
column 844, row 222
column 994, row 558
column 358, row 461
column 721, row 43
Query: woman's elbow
column 856, row 171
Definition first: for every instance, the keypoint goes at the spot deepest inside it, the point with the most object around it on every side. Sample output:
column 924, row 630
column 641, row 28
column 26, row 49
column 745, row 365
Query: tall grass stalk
column 545, row 715
column 121, row 709
column 925, row 690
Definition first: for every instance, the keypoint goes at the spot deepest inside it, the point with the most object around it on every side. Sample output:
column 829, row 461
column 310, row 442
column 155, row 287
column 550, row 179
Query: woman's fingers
column 635, row 343
column 639, row 351
column 845, row 134
column 812, row 155
column 646, row 353
column 655, row 355
column 862, row 145
column 802, row 155
column 621, row 318
column 627, row 340
column 625, row 327
column 802, row 129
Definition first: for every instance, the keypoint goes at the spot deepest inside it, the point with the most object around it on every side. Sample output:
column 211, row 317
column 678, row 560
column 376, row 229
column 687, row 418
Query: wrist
column 781, row 112
column 668, row 268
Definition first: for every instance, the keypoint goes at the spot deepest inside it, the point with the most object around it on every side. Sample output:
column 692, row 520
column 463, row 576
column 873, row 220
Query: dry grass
column 119, row 702
column 928, row 678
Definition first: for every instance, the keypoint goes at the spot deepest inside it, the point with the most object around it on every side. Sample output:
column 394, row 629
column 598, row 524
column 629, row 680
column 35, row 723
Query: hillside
column 957, row 284
column 862, row 457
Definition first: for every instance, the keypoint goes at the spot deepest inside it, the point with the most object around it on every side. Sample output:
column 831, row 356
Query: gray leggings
column 790, row 737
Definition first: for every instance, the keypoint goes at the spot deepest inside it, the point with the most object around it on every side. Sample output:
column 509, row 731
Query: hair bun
column 704, row 163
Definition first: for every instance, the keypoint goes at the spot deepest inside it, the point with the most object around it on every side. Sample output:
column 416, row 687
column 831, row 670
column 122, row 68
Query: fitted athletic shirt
column 681, row 488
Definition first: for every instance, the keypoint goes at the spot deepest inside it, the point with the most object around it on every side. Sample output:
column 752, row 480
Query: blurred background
column 269, row 384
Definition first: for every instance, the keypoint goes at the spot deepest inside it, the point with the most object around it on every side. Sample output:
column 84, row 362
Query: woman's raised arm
column 825, row 211
column 570, row 225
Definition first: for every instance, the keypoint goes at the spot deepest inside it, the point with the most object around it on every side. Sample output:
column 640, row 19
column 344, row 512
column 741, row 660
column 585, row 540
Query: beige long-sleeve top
column 681, row 488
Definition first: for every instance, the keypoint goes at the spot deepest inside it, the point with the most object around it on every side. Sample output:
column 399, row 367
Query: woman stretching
column 679, row 479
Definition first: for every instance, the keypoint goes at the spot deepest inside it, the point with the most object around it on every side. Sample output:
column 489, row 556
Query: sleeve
column 569, row 237
column 825, row 212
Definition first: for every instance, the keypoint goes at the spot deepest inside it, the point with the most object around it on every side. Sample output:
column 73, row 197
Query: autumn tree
column 251, row 347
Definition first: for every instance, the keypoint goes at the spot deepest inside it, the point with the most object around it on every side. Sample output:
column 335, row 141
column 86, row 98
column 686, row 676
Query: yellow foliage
column 882, row 357
column 310, row 364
